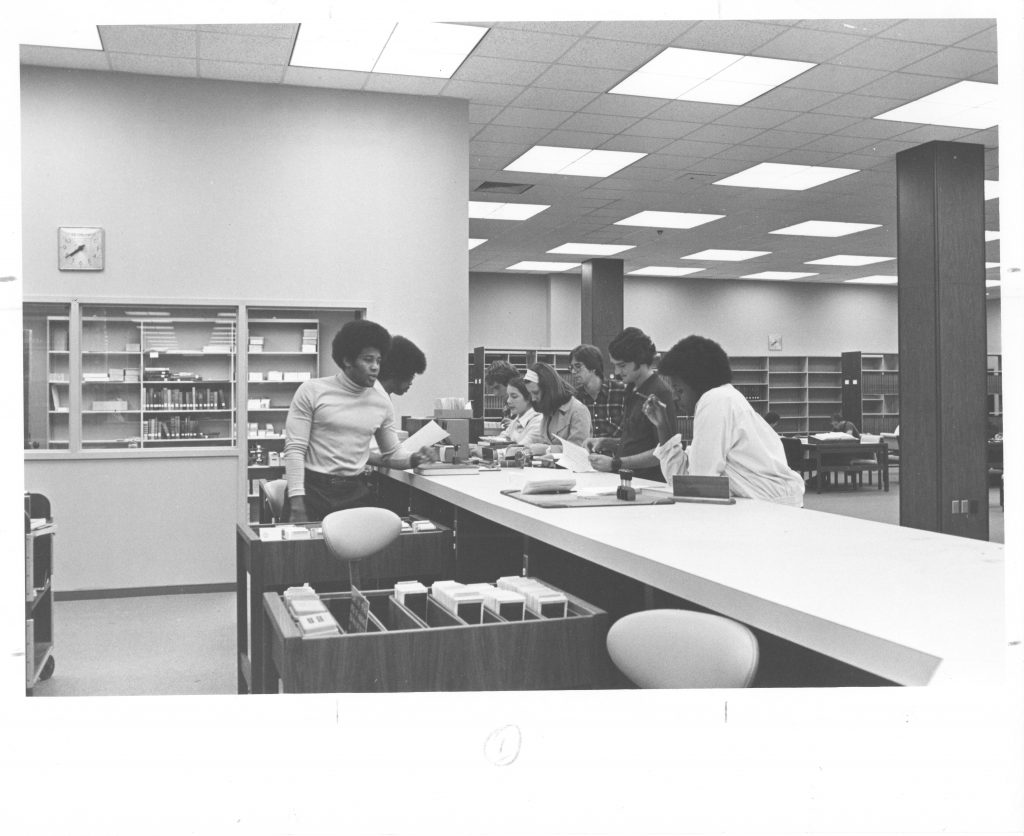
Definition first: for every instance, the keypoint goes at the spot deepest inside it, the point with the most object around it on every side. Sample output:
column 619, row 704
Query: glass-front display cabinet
column 46, row 370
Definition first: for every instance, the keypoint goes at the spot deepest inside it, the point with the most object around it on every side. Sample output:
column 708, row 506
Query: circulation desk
column 898, row 605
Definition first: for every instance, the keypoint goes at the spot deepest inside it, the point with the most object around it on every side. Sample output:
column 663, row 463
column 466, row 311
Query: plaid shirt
column 607, row 409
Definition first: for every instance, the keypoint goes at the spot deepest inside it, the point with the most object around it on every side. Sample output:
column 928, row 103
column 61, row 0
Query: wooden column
column 601, row 308
column 942, row 339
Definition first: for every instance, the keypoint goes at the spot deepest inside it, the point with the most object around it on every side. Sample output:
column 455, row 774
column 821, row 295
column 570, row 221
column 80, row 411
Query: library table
column 834, row 456
column 908, row 606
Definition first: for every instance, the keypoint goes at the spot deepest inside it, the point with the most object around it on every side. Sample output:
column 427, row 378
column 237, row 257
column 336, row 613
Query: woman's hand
column 657, row 413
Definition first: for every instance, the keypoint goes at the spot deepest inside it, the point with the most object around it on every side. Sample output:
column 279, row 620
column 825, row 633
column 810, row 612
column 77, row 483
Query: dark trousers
column 326, row 493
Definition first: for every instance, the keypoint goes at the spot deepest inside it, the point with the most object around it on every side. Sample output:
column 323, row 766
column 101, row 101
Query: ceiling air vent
column 494, row 187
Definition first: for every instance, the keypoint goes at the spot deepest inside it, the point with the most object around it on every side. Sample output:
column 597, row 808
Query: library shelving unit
column 153, row 381
column 994, row 388
column 750, row 377
column 824, row 392
column 803, row 390
column 491, row 407
column 787, row 392
column 871, row 391
column 39, row 534
column 58, row 377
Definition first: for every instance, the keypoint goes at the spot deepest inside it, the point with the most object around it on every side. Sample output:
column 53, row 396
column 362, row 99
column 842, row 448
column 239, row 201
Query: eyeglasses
column 575, row 367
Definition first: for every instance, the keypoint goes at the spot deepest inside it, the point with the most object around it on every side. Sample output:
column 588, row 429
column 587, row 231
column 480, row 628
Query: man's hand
column 601, row 463
column 298, row 509
column 424, row 454
column 657, row 413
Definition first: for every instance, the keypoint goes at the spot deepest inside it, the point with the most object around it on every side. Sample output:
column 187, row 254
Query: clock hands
column 77, row 249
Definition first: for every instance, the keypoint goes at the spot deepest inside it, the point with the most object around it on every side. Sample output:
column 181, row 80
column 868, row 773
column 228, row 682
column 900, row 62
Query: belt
column 331, row 479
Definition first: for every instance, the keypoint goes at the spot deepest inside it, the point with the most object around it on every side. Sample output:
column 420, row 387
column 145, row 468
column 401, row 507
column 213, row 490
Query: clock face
column 80, row 248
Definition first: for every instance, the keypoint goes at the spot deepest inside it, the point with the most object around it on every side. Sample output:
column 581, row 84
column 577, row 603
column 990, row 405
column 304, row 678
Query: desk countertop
column 913, row 606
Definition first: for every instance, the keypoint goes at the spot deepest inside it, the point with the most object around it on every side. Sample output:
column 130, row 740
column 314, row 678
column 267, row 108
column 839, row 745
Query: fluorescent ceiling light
column 435, row 50
column 665, row 271
column 785, row 176
column 991, row 189
column 545, row 266
column 872, row 280
column 668, row 220
column 505, row 211
column 726, row 255
column 579, row 162
column 778, row 275
column 966, row 104
column 992, row 282
column 991, row 265
column 476, row 242
column 61, row 34
column 591, row 249
column 851, row 260
column 823, row 229
column 702, row 76
column 991, row 234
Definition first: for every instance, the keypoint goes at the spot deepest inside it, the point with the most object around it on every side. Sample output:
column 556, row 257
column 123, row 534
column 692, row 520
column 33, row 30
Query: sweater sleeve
column 579, row 423
column 296, row 432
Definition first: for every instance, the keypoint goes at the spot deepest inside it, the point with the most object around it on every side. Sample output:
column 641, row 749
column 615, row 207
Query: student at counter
column 604, row 397
column 331, row 421
column 561, row 414
column 496, row 379
column 633, row 353
column 525, row 427
column 729, row 438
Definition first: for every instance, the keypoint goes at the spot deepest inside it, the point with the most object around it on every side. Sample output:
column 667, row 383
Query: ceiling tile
column 574, row 27
column 614, row 55
column 481, row 114
column 755, row 117
column 903, row 86
column 989, row 76
column 699, row 112
column 885, row 55
column 508, row 133
column 149, row 40
column 747, row 153
column 597, row 123
column 937, row 30
column 216, row 46
column 580, row 78
column 877, row 128
column 647, row 144
column 408, row 84
column 254, row 30
column 835, row 79
column 499, row 70
column 940, row 133
column 796, row 45
column 317, row 77
column 661, row 128
column 640, row 31
column 954, row 63
column 551, row 99
column 835, row 144
column 734, row 36
column 238, row 71
column 153, row 65
column 887, row 148
column 983, row 40
column 850, row 26
column 802, row 156
column 818, row 123
column 531, row 117
column 481, row 92
column 505, row 150
column 616, row 105
column 859, row 106
column 577, row 139
column 791, row 98
column 781, row 139
column 729, row 134
column 523, row 46
column 71, row 59
column 694, row 149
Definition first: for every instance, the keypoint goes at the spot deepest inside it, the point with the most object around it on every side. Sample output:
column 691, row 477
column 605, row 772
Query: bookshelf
column 490, row 407
column 803, row 390
column 157, row 379
column 871, row 391
column 58, row 382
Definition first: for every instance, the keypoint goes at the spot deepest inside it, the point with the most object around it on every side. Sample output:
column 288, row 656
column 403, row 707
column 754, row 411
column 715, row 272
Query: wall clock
column 80, row 248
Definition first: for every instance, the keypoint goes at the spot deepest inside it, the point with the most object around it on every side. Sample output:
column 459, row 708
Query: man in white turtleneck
column 331, row 421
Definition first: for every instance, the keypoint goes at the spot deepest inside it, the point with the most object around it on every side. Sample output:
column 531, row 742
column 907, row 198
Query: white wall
column 224, row 190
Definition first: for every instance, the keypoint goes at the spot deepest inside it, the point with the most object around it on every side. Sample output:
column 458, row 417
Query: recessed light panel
column 55, row 32
column 476, row 242
column 483, row 209
column 579, row 162
column 779, row 275
column 784, row 176
column 665, row 271
column 824, row 229
column 991, row 234
column 872, row 280
column 434, row 50
column 544, row 266
column 668, row 220
column 991, row 189
column 992, row 282
column 726, row 255
column 966, row 104
column 591, row 249
column 991, row 265
column 702, row 76
column 851, row 260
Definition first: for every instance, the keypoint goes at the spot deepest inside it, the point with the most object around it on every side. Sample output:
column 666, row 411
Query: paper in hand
column 425, row 436
column 575, row 457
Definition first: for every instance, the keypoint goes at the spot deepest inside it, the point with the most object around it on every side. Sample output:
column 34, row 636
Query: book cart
column 39, row 534
column 434, row 649
column 264, row 566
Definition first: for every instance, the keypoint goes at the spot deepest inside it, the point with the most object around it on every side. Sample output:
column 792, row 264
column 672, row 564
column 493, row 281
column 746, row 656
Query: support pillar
column 601, row 309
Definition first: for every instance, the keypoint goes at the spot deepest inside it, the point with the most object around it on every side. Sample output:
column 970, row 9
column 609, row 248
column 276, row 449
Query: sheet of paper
column 426, row 435
column 575, row 457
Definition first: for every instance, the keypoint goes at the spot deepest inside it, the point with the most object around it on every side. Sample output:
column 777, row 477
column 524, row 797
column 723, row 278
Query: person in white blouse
column 729, row 437
column 524, row 427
